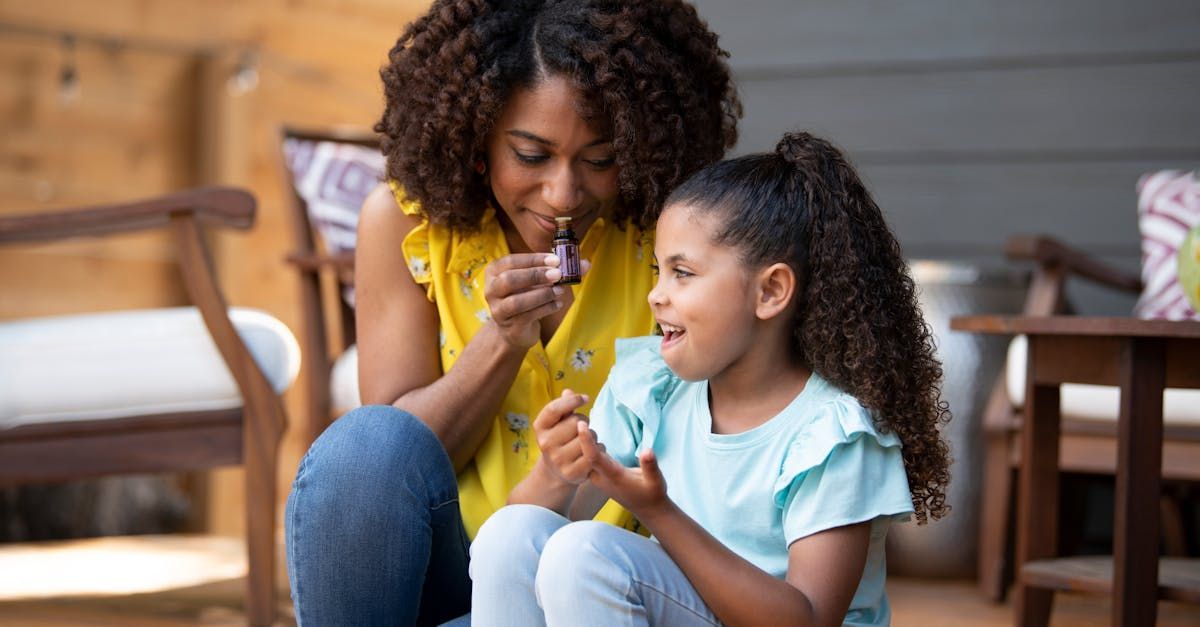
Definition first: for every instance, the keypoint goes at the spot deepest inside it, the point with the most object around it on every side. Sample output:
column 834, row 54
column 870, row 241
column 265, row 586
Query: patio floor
column 160, row 581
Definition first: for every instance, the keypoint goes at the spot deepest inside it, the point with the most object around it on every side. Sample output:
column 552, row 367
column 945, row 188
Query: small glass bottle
column 566, row 248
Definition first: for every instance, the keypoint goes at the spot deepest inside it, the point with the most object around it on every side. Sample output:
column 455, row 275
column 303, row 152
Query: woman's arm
column 823, row 569
column 399, row 361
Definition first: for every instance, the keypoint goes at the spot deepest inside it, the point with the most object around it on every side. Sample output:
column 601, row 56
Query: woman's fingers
column 529, row 304
column 511, row 274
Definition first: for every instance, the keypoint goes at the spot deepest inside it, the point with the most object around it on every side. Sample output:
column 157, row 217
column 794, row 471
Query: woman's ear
column 776, row 288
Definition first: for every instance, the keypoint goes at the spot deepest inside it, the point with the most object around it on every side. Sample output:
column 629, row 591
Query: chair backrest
column 330, row 172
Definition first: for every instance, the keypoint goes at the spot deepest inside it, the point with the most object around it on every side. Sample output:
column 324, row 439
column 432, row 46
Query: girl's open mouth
column 671, row 334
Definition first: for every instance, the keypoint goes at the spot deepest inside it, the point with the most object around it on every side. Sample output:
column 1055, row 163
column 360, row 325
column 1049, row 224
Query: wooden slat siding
column 1141, row 111
column 840, row 33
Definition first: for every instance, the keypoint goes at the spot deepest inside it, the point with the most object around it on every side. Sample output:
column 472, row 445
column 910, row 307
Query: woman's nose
column 561, row 190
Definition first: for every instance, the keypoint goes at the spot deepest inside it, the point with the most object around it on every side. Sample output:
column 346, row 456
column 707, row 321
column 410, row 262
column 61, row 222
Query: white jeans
column 531, row 566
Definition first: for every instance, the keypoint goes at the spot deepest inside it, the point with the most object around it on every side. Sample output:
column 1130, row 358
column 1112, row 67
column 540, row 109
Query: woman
column 500, row 117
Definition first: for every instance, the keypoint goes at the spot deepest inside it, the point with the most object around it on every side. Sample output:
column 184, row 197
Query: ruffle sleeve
column 628, row 410
column 416, row 244
column 841, row 470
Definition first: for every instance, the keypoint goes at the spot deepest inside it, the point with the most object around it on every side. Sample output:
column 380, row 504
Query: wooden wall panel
column 156, row 114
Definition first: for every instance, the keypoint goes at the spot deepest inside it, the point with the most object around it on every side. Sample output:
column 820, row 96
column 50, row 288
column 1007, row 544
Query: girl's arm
column 558, row 480
column 824, row 569
column 399, row 360
column 823, row 572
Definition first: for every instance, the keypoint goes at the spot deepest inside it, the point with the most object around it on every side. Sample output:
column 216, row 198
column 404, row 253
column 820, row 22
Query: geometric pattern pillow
column 333, row 178
column 1168, row 207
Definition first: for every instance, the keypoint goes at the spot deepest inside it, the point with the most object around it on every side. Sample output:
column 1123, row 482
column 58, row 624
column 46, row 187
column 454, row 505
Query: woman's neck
column 755, row 388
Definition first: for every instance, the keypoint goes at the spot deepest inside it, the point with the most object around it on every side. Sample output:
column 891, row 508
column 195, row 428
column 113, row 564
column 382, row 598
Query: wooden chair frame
column 1084, row 446
column 177, row 442
column 324, row 335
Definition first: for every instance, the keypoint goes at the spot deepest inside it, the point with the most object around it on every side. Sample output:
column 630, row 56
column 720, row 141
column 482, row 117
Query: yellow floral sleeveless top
column 610, row 303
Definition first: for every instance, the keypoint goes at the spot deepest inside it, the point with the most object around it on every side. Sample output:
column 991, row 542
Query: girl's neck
column 756, row 387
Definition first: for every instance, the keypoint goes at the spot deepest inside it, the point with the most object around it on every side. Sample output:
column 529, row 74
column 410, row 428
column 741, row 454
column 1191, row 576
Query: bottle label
column 568, row 259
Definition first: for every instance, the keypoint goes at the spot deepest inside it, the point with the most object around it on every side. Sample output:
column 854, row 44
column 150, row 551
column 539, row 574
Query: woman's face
column 544, row 161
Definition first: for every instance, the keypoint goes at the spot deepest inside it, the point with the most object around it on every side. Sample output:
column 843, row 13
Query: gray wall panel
column 813, row 34
column 1139, row 110
column 966, row 209
column 977, row 119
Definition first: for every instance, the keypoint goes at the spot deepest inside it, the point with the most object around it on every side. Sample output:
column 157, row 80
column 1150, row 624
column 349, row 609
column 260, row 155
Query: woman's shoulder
column 387, row 209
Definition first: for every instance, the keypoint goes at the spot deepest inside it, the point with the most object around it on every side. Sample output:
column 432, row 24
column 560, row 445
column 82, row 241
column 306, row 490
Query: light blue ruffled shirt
column 820, row 463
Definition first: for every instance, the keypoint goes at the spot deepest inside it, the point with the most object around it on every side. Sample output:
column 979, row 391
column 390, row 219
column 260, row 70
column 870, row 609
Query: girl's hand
column 520, row 291
column 641, row 490
column 555, row 428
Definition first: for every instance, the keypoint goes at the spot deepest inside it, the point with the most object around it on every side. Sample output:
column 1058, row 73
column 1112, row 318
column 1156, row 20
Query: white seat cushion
column 1097, row 402
column 343, row 382
column 130, row 363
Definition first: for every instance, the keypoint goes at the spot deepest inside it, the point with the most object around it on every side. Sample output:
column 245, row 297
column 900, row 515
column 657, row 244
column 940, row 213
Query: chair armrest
column 217, row 206
column 1049, row 252
column 341, row 263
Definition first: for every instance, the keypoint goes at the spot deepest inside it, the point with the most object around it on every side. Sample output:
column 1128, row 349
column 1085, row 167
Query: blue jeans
column 373, row 530
column 531, row 566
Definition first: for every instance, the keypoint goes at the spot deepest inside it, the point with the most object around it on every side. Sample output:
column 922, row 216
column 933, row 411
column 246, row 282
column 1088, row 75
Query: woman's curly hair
column 651, row 76
column 858, row 323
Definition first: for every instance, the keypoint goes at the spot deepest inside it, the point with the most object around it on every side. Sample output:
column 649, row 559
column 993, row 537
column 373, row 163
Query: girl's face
column 544, row 161
column 704, row 300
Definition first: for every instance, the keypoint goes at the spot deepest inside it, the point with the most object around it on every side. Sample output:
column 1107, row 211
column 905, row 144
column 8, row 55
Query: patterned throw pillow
column 1168, row 207
column 333, row 178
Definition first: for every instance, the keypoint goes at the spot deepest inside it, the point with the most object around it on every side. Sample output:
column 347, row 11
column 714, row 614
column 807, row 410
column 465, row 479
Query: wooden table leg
column 1037, row 506
column 1142, row 373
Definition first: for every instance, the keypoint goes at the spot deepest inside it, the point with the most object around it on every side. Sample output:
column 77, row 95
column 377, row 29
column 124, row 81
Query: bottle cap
column 563, row 221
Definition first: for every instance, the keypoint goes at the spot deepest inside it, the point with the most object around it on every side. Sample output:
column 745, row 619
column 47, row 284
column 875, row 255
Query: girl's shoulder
column 640, row 371
column 831, row 419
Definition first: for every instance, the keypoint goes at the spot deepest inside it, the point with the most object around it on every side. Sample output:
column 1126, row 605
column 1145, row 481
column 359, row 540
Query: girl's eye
column 681, row 273
column 654, row 268
column 530, row 158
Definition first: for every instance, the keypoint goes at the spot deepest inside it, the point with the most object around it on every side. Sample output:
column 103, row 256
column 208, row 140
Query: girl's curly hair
column 651, row 76
column 858, row 324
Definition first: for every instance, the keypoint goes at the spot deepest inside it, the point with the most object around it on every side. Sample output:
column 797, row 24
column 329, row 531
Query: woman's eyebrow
column 549, row 144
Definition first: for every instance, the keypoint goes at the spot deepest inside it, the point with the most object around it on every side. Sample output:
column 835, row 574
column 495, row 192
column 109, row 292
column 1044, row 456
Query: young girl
column 787, row 415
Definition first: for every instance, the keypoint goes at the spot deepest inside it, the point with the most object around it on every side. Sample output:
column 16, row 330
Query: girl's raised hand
column 555, row 428
column 640, row 490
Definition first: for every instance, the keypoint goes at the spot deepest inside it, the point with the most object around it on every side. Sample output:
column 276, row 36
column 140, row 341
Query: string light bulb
column 68, row 75
column 245, row 75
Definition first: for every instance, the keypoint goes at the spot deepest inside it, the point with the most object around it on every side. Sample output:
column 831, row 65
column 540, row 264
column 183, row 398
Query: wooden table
column 1142, row 357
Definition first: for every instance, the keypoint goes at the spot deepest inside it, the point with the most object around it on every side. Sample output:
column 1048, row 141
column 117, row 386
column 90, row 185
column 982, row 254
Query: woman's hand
column 641, row 490
column 557, row 437
column 520, row 291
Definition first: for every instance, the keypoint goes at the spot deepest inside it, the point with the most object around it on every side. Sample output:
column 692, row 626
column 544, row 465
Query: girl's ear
column 776, row 288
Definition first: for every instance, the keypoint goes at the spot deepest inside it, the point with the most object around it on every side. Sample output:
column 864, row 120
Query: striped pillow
column 333, row 178
column 1168, row 207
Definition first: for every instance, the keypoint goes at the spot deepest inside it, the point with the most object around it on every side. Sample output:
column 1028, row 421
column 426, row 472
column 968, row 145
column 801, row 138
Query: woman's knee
column 373, row 448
